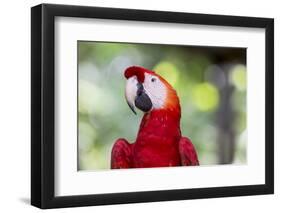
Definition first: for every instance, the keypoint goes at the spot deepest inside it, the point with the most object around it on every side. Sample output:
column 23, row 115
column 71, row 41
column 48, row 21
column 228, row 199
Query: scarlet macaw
column 159, row 142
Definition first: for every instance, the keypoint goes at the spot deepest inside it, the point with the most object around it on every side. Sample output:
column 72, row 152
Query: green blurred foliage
column 197, row 74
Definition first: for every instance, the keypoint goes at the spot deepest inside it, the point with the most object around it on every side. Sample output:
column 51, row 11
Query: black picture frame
column 43, row 102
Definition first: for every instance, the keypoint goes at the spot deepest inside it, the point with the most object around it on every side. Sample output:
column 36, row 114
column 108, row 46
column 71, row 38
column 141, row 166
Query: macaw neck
column 161, row 122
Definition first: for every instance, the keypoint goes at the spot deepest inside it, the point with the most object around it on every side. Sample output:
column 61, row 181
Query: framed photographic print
column 140, row 106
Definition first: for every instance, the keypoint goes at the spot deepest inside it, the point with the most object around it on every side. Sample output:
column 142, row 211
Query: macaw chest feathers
column 157, row 141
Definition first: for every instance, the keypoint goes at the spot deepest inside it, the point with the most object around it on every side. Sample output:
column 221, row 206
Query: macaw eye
column 153, row 79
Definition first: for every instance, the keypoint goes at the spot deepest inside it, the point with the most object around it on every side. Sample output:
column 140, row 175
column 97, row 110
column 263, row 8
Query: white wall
column 15, row 105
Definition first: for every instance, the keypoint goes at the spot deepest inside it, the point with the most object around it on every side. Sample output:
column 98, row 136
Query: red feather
column 121, row 154
column 187, row 153
column 137, row 71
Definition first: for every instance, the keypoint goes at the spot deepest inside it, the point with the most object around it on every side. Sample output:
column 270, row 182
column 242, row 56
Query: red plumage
column 159, row 142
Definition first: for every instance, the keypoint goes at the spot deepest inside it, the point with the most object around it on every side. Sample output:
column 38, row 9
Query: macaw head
column 148, row 91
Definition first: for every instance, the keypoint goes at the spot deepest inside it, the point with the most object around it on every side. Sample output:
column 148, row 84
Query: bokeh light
column 239, row 77
column 205, row 96
column 168, row 71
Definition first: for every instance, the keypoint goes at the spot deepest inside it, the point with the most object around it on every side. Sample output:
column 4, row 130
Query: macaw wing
column 187, row 152
column 121, row 155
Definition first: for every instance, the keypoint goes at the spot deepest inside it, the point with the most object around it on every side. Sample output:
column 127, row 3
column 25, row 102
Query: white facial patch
column 156, row 90
column 131, row 90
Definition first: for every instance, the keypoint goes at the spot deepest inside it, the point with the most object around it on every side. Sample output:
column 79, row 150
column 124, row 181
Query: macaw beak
column 136, row 95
